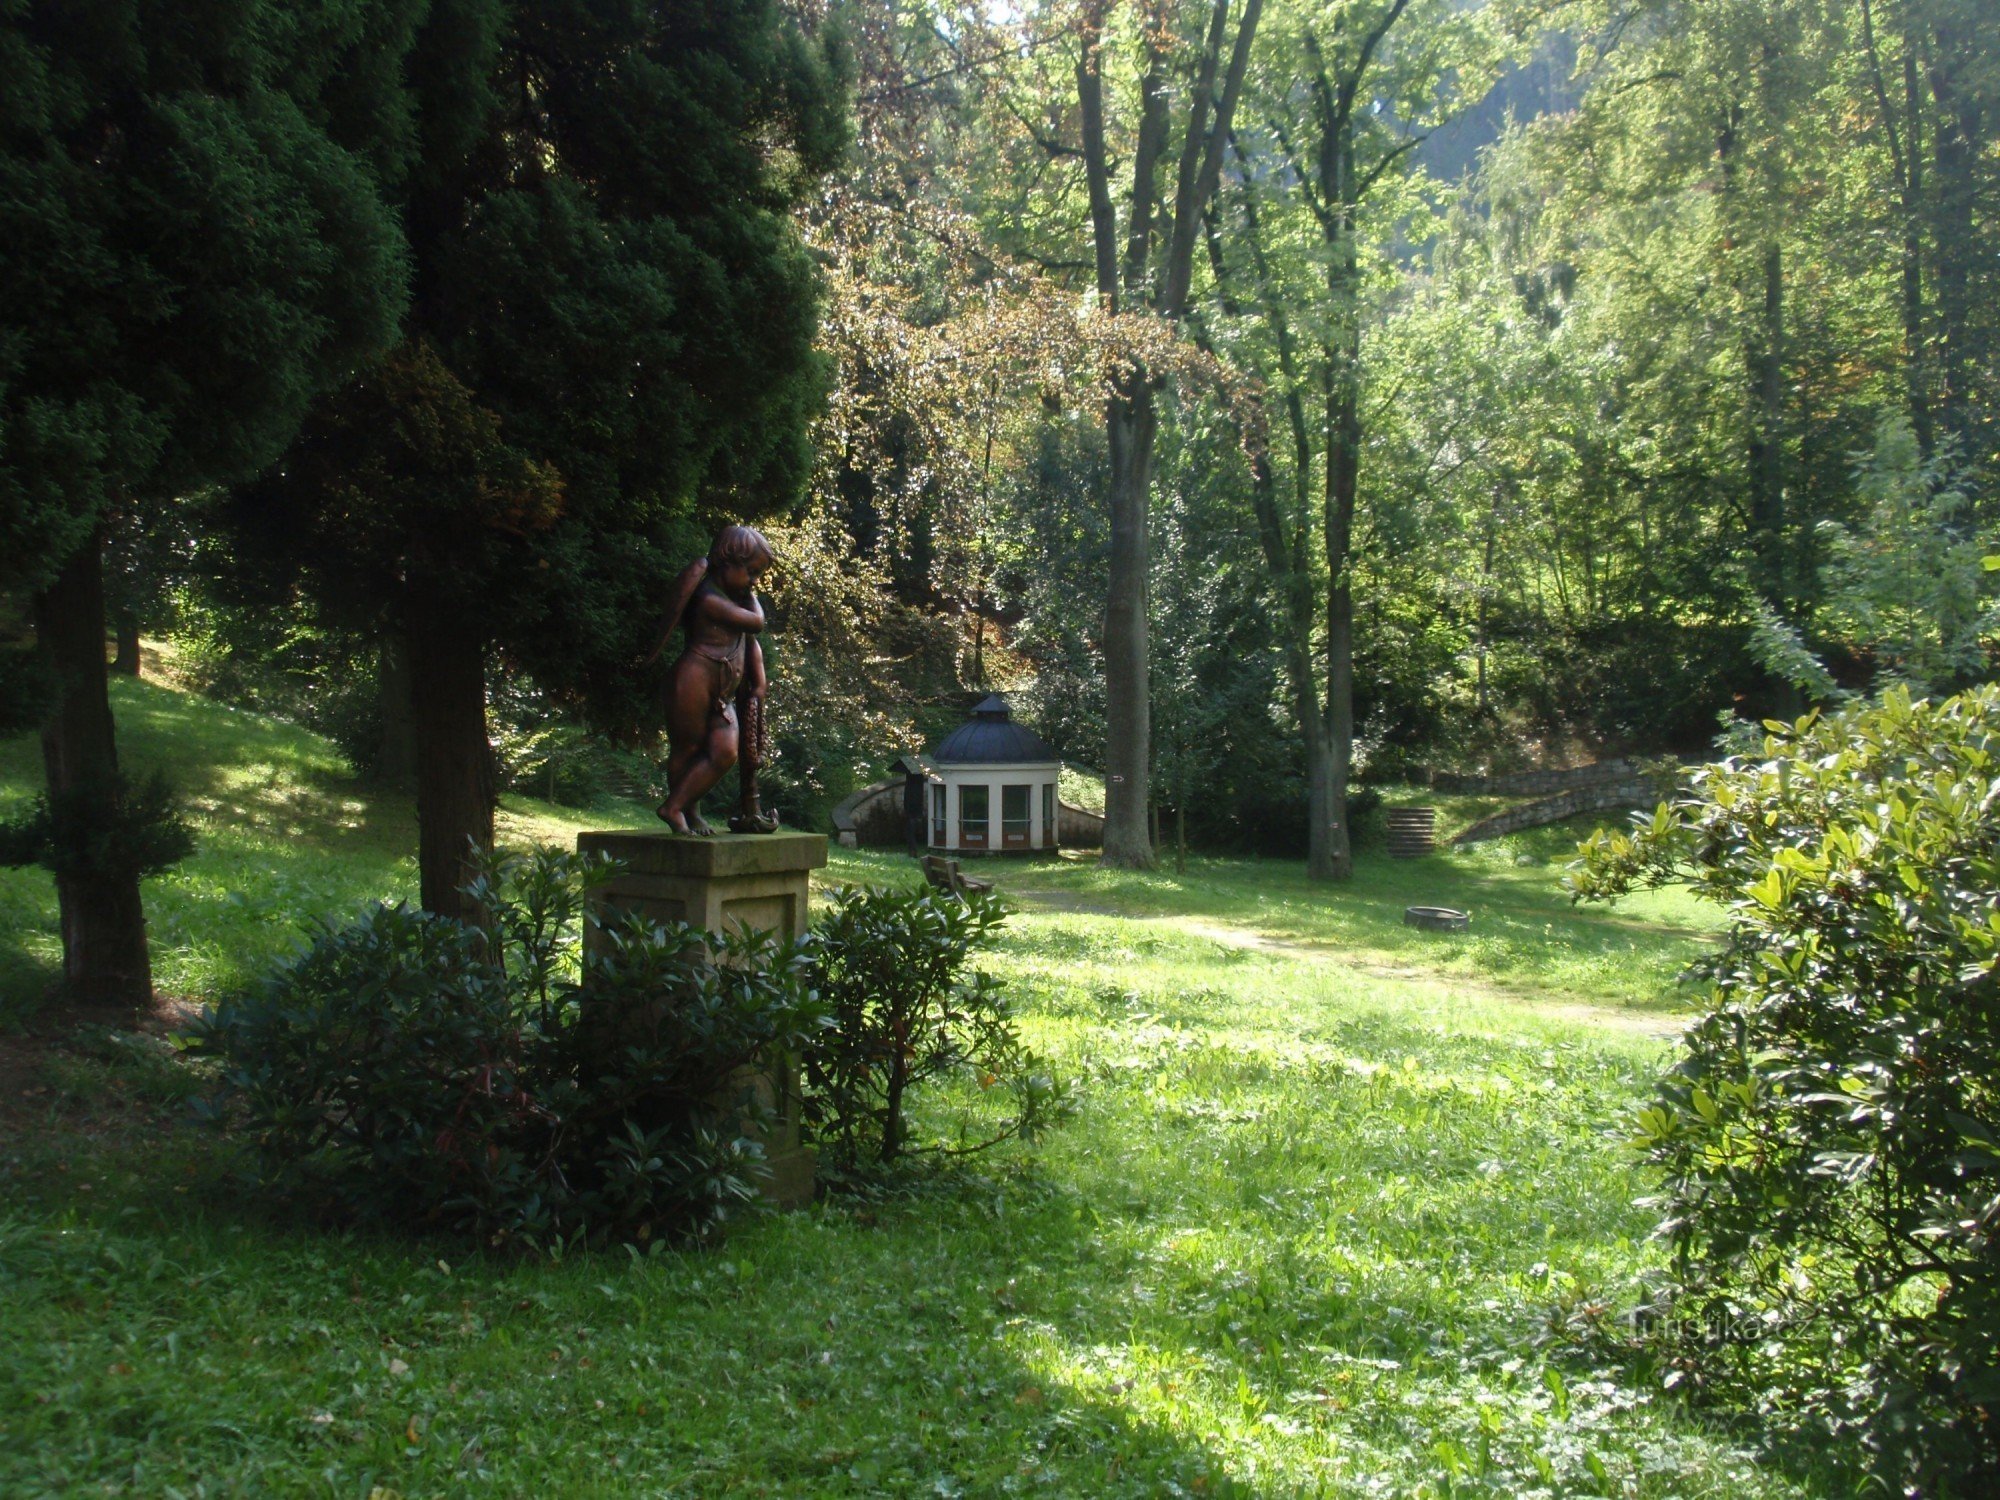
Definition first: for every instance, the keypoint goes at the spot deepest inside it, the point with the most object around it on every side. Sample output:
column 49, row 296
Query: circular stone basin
column 1436, row 918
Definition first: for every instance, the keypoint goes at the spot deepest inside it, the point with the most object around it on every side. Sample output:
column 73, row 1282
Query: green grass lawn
column 1328, row 1188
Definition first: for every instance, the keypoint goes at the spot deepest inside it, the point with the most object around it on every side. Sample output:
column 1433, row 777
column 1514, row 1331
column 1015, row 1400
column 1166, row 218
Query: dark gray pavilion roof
column 991, row 738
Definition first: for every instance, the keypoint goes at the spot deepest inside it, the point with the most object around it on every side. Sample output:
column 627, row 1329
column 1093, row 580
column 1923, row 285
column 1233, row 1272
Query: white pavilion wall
column 995, row 779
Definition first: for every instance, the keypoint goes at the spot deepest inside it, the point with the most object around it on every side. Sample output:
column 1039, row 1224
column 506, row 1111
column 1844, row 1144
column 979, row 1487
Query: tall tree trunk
column 455, row 788
column 1132, row 423
column 1286, row 558
column 1767, row 459
column 1763, row 380
column 1958, row 138
column 1766, row 360
column 1336, row 95
column 1343, row 475
column 1916, row 344
column 1343, row 466
column 396, row 753
column 125, row 634
column 1906, row 170
column 1283, row 537
column 1483, row 629
column 105, row 961
column 983, row 569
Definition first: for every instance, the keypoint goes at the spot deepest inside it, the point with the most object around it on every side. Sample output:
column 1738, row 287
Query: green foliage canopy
column 195, row 243
column 611, row 328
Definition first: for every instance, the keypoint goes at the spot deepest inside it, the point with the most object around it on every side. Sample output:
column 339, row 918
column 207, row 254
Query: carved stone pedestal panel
column 728, row 883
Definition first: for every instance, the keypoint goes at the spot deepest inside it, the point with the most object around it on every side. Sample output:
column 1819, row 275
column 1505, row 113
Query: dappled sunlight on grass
column 285, row 836
column 1525, row 932
column 1326, row 1187
column 1326, row 1248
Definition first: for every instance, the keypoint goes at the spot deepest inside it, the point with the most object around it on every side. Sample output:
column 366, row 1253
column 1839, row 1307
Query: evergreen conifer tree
column 193, row 245
column 609, row 346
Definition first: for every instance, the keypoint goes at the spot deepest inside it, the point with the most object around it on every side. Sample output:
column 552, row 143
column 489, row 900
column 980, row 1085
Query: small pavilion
column 995, row 786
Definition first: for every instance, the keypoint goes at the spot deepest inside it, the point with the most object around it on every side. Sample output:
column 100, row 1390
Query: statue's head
column 738, row 547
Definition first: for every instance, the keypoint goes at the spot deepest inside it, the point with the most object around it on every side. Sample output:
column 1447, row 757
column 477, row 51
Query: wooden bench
column 944, row 875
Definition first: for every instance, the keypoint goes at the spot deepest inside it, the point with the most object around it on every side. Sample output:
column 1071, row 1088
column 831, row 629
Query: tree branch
column 1145, row 166
column 1193, row 137
column 1090, row 99
column 1882, row 93
column 1320, row 211
column 1180, row 271
column 1350, row 86
column 1374, row 173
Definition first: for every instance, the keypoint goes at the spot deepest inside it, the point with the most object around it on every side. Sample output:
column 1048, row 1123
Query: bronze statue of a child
column 715, row 692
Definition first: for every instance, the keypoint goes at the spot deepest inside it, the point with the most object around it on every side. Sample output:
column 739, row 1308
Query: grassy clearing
column 1525, row 934
column 286, row 835
column 1306, row 1234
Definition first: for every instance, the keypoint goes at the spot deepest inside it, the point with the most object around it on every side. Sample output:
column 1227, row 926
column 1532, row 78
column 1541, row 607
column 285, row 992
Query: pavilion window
column 940, row 835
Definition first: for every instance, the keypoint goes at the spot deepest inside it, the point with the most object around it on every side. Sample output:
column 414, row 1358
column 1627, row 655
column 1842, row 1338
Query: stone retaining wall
column 1603, row 773
column 1633, row 792
column 1078, row 828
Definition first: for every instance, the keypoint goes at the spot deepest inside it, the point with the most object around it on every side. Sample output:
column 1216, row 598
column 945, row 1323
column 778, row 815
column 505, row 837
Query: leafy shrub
column 889, row 967
column 1830, row 1142
column 1905, row 598
column 28, row 689
column 1367, row 817
column 101, row 829
column 501, row 1082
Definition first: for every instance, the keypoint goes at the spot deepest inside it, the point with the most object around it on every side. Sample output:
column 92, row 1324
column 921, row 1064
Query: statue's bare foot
column 700, row 827
column 675, row 820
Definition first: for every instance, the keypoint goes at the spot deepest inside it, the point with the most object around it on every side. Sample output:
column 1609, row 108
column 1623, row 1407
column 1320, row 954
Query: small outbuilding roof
column 991, row 738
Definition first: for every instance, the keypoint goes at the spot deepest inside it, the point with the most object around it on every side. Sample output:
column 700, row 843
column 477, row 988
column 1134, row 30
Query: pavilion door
column 972, row 809
column 1015, row 829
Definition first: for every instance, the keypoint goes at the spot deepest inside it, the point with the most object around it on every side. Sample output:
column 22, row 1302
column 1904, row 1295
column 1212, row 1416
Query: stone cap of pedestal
column 722, row 855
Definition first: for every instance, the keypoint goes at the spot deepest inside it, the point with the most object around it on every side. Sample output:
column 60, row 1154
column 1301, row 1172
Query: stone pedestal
column 731, row 882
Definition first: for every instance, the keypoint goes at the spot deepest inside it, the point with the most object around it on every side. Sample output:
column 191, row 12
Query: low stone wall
column 1603, row 773
column 871, row 818
column 1632, row 792
column 1077, row 828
